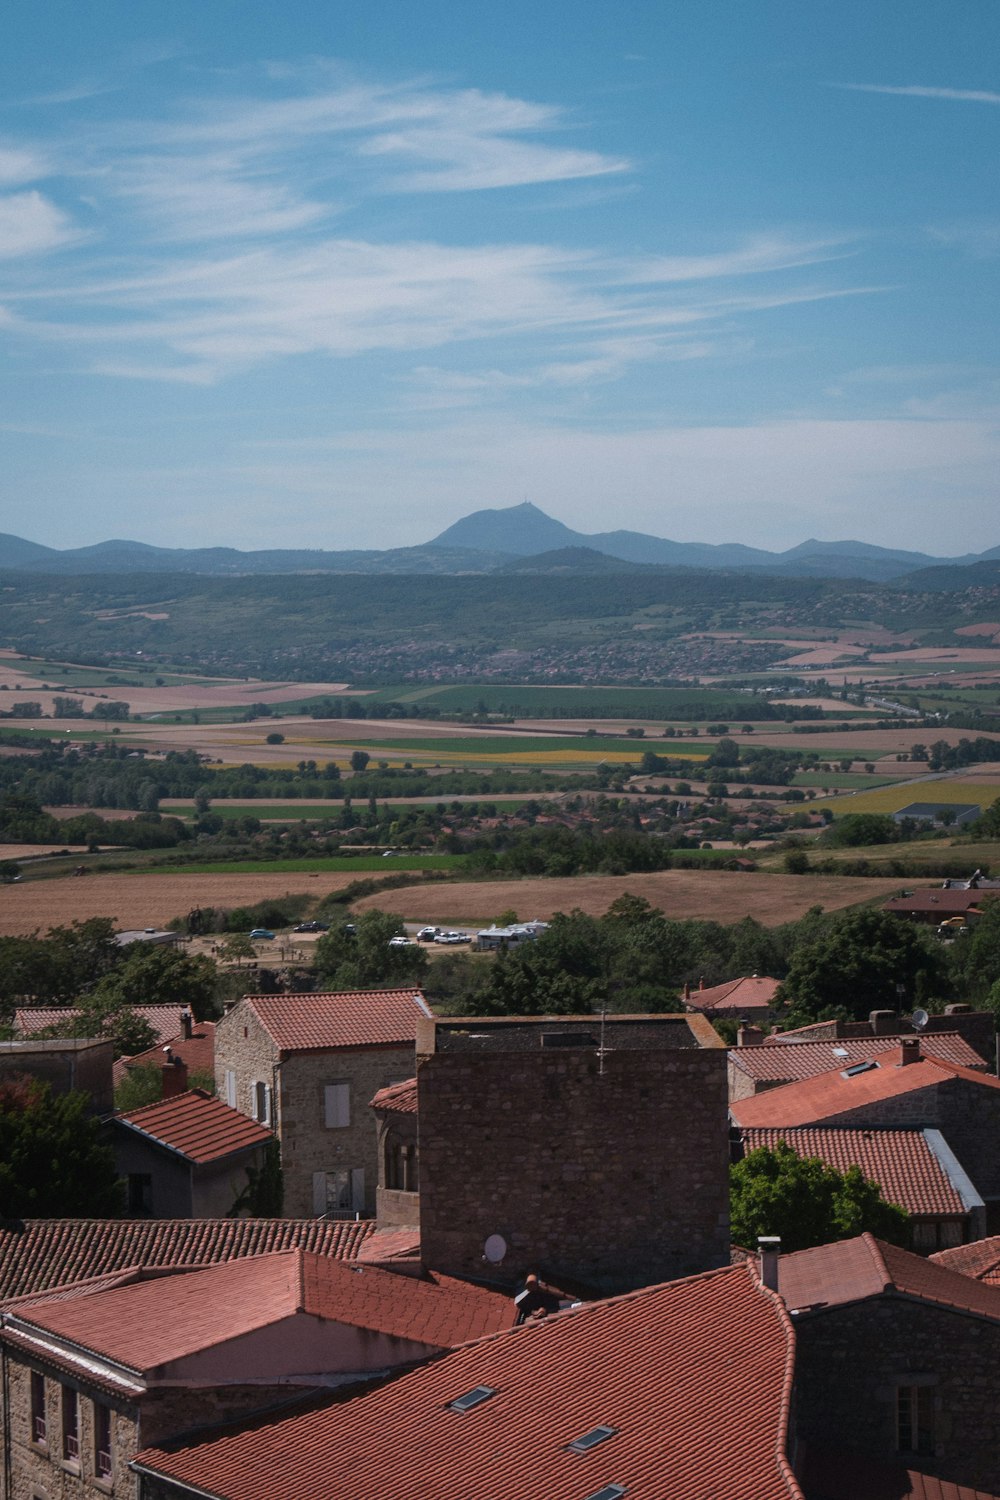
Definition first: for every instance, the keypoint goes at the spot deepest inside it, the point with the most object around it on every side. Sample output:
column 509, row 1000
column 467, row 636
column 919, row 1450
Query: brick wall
column 39, row 1468
column 850, row 1361
column 615, row 1179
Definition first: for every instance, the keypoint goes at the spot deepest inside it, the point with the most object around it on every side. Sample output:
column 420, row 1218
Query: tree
column 359, row 760
column 157, row 975
column 52, row 1164
column 140, row 1086
column 264, row 1195
column 859, row 830
column 366, row 959
column 807, row 1203
column 867, row 960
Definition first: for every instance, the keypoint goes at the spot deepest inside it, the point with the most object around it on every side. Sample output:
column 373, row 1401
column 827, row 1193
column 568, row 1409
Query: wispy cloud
column 30, row 224
column 922, row 91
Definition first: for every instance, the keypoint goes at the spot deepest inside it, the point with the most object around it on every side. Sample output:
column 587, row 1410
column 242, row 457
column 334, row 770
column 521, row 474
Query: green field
column 506, row 747
column 842, row 781
column 525, row 701
column 367, row 864
column 58, row 675
column 890, row 799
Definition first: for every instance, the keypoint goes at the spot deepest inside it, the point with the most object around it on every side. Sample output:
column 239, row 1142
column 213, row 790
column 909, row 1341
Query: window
column 915, row 1418
column 102, row 1441
column 140, row 1193
column 70, row 1425
column 591, row 1439
column 39, row 1430
column 231, row 1088
column 472, row 1398
column 339, row 1194
column 400, row 1166
column 337, row 1105
column 262, row 1103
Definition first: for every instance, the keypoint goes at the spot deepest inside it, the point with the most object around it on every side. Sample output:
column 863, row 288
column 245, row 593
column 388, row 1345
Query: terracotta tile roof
column 693, row 1377
column 153, row 1322
column 42, row 1253
column 855, row 1270
column 164, row 1019
column 900, row 1161
column 830, row 1096
column 398, row 1098
column 980, row 1260
column 196, row 1052
column 830, row 1474
column 791, row 1060
column 755, row 992
column 957, row 901
column 196, row 1126
column 388, row 1247
column 361, row 1018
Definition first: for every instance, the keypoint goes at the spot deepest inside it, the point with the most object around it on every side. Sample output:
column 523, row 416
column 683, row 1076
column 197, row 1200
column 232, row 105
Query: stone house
column 307, row 1066
column 66, row 1065
column 595, row 1154
column 94, row 1372
column 897, row 1359
column 187, row 1156
column 753, row 996
column 398, row 1199
column 977, row 1027
column 756, row 1064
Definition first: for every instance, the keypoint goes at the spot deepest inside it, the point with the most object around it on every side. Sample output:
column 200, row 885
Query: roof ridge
column 752, row 1266
column 874, row 1248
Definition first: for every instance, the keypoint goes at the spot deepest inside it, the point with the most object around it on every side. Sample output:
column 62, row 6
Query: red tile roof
column 754, row 993
column 387, row 1247
column 164, row 1019
column 359, row 1018
column 398, row 1098
column 956, row 901
column 196, row 1052
column 791, row 1060
column 900, row 1161
column 153, row 1322
column 694, row 1377
column 196, row 1126
column 44, row 1253
column 980, row 1260
column 855, row 1270
column 831, row 1096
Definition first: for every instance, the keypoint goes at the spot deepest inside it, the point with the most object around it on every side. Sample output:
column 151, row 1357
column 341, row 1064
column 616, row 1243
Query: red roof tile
column 755, row 992
column 44, row 1253
column 154, row 1322
column 398, row 1098
column 980, row 1260
column 387, row 1247
column 164, row 1019
column 831, row 1096
column 196, row 1052
column 854, row 1270
column 900, row 1161
column 360, row 1018
column 196, row 1126
column 791, row 1060
column 693, row 1378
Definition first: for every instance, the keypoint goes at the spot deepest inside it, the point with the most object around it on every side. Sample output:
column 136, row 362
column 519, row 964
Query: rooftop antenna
column 602, row 1050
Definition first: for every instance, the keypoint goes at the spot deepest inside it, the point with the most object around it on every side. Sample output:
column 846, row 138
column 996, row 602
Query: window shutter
column 337, row 1105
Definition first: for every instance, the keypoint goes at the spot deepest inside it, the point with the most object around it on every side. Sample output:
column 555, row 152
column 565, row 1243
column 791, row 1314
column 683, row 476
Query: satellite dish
column 919, row 1019
column 495, row 1249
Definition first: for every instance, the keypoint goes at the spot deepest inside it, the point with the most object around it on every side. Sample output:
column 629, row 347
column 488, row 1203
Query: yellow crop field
column 890, row 799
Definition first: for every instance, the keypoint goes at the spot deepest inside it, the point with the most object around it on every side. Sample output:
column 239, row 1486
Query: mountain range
column 519, row 538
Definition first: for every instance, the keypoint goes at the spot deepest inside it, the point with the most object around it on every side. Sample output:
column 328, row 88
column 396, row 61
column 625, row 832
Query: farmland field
column 719, row 895
column 890, row 799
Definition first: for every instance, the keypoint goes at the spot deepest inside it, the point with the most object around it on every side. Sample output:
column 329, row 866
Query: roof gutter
column 145, row 1471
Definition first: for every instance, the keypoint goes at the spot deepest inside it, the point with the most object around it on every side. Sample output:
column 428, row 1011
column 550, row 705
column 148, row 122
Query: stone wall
column 38, row 1468
column 615, row 1177
column 850, row 1362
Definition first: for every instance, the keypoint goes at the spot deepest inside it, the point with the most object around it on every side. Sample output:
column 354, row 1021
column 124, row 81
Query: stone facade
column 852, row 1362
column 246, row 1056
column 607, row 1170
column 65, row 1064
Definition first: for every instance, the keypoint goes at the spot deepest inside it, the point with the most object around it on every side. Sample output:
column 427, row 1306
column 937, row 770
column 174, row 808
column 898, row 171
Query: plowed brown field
column 721, row 895
column 137, row 901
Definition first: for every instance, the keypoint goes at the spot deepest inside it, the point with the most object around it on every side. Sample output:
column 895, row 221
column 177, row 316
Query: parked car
column 400, row 942
column 427, row 934
column 312, row 926
column 262, row 935
column 452, row 937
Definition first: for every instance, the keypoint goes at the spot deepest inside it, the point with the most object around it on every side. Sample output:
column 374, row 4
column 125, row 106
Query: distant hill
column 572, row 560
column 487, row 541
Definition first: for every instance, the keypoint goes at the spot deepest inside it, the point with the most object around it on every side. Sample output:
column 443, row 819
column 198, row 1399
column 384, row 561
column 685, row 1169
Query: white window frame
column 262, row 1104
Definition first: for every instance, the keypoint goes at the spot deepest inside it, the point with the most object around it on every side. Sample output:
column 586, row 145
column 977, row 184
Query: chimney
column 909, row 1050
column 749, row 1036
column 701, row 983
column 187, row 1025
column 175, row 1078
column 769, row 1249
column 687, row 992
column 883, row 1022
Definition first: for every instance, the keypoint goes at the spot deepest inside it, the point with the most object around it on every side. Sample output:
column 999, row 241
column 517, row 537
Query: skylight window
column 609, row 1492
column 862, row 1067
column 840, row 1051
column 591, row 1439
column 472, row 1398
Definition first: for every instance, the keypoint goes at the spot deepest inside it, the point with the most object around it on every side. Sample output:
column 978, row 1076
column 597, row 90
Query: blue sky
column 335, row 274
